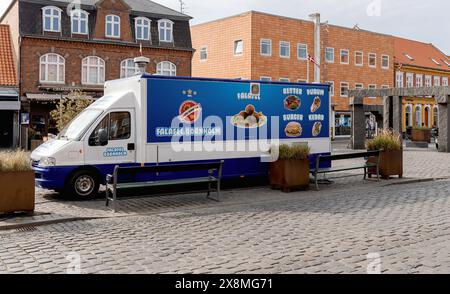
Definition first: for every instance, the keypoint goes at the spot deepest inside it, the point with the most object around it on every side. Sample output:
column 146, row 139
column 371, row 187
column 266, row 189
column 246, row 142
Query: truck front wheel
column 83, row 185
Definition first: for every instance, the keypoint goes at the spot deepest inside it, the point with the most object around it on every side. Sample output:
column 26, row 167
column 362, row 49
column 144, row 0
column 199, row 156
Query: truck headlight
column 47, row 161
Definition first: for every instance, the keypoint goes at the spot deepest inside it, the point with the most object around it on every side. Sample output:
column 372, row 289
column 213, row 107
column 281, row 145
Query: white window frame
column 331, row 50
column 46, row 65
column 368, row 60
column 415, row 115
column 79, row 19
column 409, row 80
column 172, row 68
column 203, row 50
column 359, row 84
column 384, row 86
column 125, row 67
column 419, row 80
column 302, row 81
column 298, row 51
column 388, row 61
column 235, row 47
column 445, row 81
column 85, row 79
column 340, row 89
column 362, row 58
column 428, row 82
column 372, row 87
column 288, row 47
column 399, row 79
column 52, row 17
column 115, row 20
column 436, row 62
column 166, row 25
column 438, row 79
column 143, row 27
column 265, row 79
column 348, row 56
column 284, row 80
column 409, row 123
column 331, row 83
column 269, row 43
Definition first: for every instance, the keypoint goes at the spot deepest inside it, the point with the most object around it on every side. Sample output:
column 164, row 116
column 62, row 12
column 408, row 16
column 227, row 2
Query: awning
column 9, row 105
column 43, row 97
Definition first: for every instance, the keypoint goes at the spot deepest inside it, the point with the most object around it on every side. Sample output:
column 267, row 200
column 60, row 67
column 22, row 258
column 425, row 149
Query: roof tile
column 7, row 68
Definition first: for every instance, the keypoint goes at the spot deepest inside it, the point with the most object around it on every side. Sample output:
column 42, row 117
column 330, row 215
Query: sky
column 427, row 21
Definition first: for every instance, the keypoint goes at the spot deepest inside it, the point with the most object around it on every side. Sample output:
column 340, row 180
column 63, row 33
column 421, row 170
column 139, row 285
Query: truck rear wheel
column 83, row 185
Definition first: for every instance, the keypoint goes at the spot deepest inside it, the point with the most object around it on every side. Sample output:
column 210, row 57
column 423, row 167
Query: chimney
column 142, row 62
column 316, row 19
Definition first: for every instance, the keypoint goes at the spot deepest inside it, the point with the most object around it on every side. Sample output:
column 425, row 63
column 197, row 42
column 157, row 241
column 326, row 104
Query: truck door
column 120, row 146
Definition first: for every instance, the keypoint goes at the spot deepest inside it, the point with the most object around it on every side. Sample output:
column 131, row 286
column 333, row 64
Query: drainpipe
column 316, row 19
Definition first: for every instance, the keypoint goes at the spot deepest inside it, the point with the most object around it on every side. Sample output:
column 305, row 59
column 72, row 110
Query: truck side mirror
column 102, row 137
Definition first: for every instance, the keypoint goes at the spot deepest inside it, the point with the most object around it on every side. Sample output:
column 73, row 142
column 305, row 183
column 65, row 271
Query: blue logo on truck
column 115, row 152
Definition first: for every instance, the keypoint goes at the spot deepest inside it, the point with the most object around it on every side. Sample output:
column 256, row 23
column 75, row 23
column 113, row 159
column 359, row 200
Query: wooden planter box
column 16, row 191
column 391, row 164
column 289, row 174
column 421, row 135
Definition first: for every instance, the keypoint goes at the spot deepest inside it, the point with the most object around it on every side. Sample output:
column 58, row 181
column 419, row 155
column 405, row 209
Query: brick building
column 9, row 97
column 260, row 46
column 420, row 65
column 61, row 47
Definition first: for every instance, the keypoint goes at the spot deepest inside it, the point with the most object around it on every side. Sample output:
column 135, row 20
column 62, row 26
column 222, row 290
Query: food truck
column 152, row 120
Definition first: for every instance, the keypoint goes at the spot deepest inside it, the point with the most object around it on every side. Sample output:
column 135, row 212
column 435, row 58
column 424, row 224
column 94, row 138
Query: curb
column 38, row 223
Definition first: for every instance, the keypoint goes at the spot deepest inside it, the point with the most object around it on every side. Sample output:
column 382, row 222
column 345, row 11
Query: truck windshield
column 76, row 128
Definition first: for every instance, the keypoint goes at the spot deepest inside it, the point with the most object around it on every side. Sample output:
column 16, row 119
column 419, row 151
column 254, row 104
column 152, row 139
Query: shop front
column 9, row 118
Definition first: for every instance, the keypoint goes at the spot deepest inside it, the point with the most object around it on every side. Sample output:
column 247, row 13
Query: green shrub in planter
column 391, row 156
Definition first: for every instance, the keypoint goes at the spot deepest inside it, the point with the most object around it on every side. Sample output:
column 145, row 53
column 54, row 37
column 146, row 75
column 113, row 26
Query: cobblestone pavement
column 330, row 231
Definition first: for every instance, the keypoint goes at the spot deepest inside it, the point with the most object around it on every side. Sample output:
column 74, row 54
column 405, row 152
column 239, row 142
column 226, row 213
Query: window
column 408, row 116
column 165, row 28
column 52, row 68
column 384, row 86
column 428, row 81
column 128, row 68
column 408, row 56
column 409, row 80
column 117, row 126
column 344, row 89
column 166, row 68
column 285, row 49
column 359, row 86
column 51, row 19
column 302, row 51
column 435, row 117
column 142, row 28
column 418, row 116
column 302, row 81
column 359, row 58
column 79, row 22
column 329, row 55
column 238, row 47
column 419, row 80
column 265, row 79
column 372, row 87
column 344, row 56
column 93, row 70
column 437, row 80
column 445, row 82
column 399, row 79
column 285, row 80
column 385, row 61
column 435, row 61
column 331, row 83
column 372, row 60
column 204, row 53
column 112, row 27
column 266, row 47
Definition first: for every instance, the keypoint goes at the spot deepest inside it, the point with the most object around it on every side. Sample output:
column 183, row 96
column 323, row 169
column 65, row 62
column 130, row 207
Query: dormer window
column 79, row 22
column 435, row 61
column 51, row 19
column 165, row 28
column 142, row 25
column 112, row 27
column 409, row 56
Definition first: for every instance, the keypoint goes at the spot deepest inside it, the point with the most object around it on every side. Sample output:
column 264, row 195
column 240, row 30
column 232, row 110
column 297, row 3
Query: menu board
column 235, row 110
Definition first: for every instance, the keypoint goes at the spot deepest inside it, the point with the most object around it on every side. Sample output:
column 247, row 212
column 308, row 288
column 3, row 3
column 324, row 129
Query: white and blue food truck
column 148, row 120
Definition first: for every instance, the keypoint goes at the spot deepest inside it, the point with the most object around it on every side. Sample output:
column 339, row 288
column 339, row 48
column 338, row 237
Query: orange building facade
column 260, row 46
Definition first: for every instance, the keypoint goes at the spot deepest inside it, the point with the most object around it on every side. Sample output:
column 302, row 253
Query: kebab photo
column 316, row 104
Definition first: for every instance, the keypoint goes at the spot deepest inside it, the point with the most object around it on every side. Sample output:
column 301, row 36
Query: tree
column 68, row 108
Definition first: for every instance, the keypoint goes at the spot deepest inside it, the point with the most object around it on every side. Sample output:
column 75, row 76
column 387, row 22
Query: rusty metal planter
column 289, row 174
column 421, row 135
column 17, row 191
column 391, row 164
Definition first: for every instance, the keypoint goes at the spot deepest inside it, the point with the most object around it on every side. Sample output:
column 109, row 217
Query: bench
column 213, row 174
column 327, row 158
